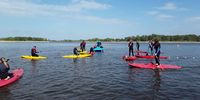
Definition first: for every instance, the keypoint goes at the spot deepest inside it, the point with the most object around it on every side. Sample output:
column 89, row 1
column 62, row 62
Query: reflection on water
column 4, row 93
column 75, row 61
column 157, row 80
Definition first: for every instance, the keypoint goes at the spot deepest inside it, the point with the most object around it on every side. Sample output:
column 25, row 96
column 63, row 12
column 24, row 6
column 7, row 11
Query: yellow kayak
column 77, row 56
column 32, row 57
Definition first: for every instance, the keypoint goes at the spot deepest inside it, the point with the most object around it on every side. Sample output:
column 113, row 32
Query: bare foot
column 7, row 78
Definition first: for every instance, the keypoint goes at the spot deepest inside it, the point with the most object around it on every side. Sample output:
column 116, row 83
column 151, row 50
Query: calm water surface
column 105, row 76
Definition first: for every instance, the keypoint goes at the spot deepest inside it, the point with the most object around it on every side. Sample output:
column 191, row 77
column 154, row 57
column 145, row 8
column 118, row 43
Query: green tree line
column 23, row 39
column 188, row 37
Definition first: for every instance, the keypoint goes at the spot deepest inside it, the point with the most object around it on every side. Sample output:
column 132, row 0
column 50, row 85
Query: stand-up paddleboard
column 77, row 56
column 153, row 66
column 82, row 52
column 33, row 57
column 129, row 58
column 140, row 51
column 86, row 53
column 17, row 74
column 151, row 56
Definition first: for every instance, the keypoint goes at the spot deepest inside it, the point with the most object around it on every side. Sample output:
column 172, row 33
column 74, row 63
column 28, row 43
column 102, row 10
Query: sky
column 84, row 19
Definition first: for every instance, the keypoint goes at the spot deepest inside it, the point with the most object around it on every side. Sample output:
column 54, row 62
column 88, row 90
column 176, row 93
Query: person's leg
column 83, row 48
column 151, row 51
column 34, row 55
column 138, row 48
column 129, row 52
column 132, row 52
column 157, row 58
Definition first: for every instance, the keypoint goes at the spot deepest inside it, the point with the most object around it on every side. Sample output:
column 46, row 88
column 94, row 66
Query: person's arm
column 5, row 63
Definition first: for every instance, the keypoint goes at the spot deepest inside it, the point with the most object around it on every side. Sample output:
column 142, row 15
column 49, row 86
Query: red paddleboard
column 129, row 58
column 150, row 57
column 140, row 51
column 17, row 74
column 153, row 66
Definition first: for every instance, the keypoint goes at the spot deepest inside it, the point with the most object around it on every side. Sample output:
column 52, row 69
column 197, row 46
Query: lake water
column 105, row 76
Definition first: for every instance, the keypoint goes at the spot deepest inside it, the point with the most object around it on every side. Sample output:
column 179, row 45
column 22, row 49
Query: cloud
column 171, row 6
column 26, row 6
column 76, row 8
column 197, row 18
column 153, row 12
column 100, row 20
column 168, row 6
column 88, row 4
column 160, row 16
column 164, row 17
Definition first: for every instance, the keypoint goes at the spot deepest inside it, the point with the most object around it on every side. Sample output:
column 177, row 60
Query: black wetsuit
column 98, row 44
column 130, row 45
column 75, row 51
column 4, row 71
column 91, row 50
column 138, row 46
column 157, row 52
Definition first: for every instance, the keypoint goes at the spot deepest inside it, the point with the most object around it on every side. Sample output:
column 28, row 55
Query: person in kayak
column 98, row 44
column 130, row 46
column 4, row 68
column 150, row 47
column 82, row 45
column 34, row 51
column 75, row 51
column 157, row 47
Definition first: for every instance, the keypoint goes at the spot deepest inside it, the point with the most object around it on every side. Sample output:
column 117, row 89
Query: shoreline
column 102, row 41
column 23, row 41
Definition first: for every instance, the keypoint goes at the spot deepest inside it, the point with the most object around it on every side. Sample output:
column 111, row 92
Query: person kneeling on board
column 91, row 50
column 75, row 51
column 4, row 68
column 34, row 51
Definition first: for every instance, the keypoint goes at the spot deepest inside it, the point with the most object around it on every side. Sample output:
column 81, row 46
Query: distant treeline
column 188, row 37
column 23, row 39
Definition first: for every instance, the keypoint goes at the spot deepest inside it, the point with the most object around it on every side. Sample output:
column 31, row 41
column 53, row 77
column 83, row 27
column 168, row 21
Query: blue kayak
column 98, row 49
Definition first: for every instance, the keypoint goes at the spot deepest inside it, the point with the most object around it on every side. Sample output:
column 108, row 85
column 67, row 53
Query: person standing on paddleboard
column 34, row 51
column 82, row 45
column 157, row 47
column 4, row 68
column 130, row 46
column 138, row 46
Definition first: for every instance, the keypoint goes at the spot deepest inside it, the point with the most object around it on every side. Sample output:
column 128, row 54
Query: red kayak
column 150, row 57
column 17, row 74
column 129, row 58
column 153, row 66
